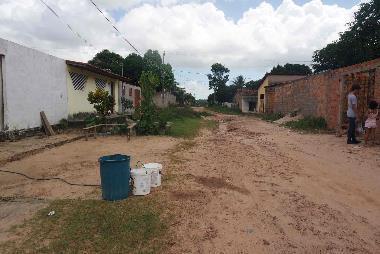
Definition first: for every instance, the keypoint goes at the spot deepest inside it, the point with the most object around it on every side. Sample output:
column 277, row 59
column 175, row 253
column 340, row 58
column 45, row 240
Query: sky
column 247, row 36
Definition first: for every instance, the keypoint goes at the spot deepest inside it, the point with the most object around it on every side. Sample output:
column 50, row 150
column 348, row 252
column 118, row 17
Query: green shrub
column 81, row 115
column 308, row 123
column 120, row 130
column 63, row 123
column 147, row 113
column 272, row 117
column 92, row 120
column 102, row 101
column 225, row 110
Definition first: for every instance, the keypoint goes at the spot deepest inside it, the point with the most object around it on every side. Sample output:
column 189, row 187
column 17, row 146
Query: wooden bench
column 93, row 128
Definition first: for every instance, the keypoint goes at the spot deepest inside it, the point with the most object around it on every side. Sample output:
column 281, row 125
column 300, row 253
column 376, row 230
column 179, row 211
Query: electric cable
column 114, row 27
column 68, row 26
column 49, row 179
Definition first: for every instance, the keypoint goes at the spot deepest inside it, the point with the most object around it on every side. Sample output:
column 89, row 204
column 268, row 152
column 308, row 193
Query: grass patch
column 185, row 122
column 134, row 225
column 185, row 127
column 224, row 110
column 308, row 123
column 210, row 124
column 271, row 117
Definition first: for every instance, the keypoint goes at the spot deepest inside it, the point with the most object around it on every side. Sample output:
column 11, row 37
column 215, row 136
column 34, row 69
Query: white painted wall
column 32, row 81
column 164, row 100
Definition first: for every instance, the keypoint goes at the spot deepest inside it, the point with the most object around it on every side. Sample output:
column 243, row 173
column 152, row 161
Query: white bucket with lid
column 155, row 169
column 141, row 179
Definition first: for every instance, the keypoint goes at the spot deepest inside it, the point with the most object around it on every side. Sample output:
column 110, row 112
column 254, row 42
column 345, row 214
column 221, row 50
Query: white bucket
column 155, row 169
column 141, row 181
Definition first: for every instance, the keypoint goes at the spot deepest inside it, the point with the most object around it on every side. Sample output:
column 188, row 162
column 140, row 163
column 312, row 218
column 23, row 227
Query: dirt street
column 255, row 187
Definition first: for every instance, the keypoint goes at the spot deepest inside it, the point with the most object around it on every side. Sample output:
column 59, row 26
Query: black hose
column 49, row 179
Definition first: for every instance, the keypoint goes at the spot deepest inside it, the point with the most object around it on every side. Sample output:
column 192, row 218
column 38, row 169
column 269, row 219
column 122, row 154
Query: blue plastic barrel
column 114, row 176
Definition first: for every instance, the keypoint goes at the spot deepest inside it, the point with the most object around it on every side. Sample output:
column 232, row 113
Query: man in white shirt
column 352, row 114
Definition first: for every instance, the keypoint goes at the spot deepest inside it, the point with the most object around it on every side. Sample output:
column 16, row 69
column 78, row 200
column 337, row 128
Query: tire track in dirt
column 248, row 200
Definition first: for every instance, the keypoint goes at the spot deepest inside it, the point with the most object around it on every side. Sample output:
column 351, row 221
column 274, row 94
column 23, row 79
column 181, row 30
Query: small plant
column 102, row 101
column 308, row 123
column 126, row 104
column 272, row 117
column 63, row 124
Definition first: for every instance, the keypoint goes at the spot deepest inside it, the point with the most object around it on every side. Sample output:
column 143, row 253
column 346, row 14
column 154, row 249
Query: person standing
column 352, row 114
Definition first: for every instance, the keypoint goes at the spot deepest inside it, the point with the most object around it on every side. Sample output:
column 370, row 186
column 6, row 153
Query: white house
column 30, row 82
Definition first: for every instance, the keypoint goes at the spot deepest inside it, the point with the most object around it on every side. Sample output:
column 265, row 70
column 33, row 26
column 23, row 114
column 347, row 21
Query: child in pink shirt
column 370, row 124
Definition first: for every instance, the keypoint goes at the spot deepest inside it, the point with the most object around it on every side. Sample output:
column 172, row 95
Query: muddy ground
column 254, row 187
column 246, row 187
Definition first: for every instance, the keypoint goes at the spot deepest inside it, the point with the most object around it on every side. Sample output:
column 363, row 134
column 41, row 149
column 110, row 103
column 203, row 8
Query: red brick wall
column 320, row 95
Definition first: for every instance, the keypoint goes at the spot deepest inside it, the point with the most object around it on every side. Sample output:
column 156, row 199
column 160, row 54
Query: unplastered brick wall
column 320, row 95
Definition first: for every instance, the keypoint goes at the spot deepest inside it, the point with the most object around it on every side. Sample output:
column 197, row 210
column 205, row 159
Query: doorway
column 1, row 94
column 251, row 106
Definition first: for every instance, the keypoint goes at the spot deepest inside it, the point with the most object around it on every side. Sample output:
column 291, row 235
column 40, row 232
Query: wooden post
column 48, row 129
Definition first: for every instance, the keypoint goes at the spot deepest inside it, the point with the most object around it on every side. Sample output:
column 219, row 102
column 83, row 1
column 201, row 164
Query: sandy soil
column 76, row 162
column 9, row 149
column 254, row 187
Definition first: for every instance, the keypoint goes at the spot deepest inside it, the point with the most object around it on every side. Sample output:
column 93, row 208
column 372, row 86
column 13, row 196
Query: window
column 261, row 96
column 130, row 91
column 79, row 80
column 100, row 83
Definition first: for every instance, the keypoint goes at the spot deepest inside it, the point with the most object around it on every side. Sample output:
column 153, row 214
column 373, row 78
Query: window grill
column 100, row 83
column 79, row 80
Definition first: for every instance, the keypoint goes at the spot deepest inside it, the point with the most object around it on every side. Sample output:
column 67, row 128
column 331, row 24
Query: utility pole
column 163, row 58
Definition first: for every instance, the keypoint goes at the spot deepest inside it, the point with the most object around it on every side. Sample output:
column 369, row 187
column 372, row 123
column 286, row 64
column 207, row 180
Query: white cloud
column 194, row 34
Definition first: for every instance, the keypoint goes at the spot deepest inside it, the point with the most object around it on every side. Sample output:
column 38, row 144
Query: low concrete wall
column 163, row 100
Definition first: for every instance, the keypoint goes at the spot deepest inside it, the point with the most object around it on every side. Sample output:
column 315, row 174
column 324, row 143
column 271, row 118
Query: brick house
column 268, row 80
column 246, row 99
column 324, row 94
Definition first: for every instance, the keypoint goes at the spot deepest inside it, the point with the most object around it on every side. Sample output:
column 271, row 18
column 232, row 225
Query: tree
column 108, row 60
column 239, row 81
column 153, row 62
column 133, row 67
column 146, row 112
column 167, row 81
column 218, row 78
column 253, row 84
column 361, row 42
column 291, row 69
column 189, row 99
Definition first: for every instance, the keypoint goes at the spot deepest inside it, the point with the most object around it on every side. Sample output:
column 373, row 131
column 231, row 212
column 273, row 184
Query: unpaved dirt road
column 254, row 187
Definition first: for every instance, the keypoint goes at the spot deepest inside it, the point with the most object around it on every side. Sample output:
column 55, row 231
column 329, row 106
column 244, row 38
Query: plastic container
column 155, row 169
column 141, row 180
column 114, row 176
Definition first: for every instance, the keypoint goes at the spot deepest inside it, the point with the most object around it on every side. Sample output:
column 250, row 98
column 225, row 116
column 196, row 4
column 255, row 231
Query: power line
column 67, row 25
column 114, row 27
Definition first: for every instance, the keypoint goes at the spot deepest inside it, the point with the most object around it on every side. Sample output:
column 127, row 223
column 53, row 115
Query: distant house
column 246, row 99
column 267, row 80
column 83, row 78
